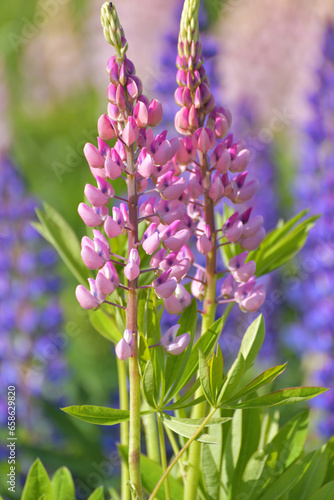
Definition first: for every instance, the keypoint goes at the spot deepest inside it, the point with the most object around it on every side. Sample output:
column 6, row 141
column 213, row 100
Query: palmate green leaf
column 187, row 427
column 255, row 478
column 210, row 474
column 264, row 465
column 97, row 494
column 282, row 244
column 151, row 472
column 313, row 477
column 265, row 378
column 62, row 485
column 38, row 484
column 281, row 397
column 288, row 444
column 105, row 325
column 204, row 375
column 287, row 479
column 247, row 435
column 54, row 228
column 205, row 343
column 325, row 493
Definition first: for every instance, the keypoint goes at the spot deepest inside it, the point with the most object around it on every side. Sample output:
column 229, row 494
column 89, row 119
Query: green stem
column 178, row 456
column 209, row 307
column 134, row 438
column 132, row 325
column 163, row 456
column 124, row 405
column 151, row 436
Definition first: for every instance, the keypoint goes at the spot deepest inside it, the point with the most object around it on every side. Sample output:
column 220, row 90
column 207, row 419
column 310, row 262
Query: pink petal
column 85, row 298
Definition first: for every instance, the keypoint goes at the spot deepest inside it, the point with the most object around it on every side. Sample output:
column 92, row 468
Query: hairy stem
column 209, row 309
column 131, row 324
column 124, row 405
column 209, row 306
column 178, row 456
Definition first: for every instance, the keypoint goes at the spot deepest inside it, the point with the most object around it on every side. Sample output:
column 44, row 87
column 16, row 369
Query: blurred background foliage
column 52, row 90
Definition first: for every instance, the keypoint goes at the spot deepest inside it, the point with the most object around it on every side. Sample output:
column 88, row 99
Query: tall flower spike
column 139, row 159
column 221, row 162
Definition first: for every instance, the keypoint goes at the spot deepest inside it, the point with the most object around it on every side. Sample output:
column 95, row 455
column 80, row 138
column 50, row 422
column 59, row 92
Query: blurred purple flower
column 314, row 296
column 30, row 313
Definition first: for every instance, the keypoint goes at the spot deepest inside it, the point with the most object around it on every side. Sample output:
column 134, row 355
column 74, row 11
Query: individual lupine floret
column 248, row 295
column 89, row 299
column 173, row 344
column 178, row 265
column 107, row 279
column 239, row 228
column 113, row 225
column 100, row 195
column 93, row 216
column 171, row 187
column 95, row 253
column 177, row 302
column 124, row 348
column 240, row 270
column 151, row 239
column 132, row 270
column 164, row 286
column 197, row 284
column 243, row 191
column 204, row 243
column 169, row 211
